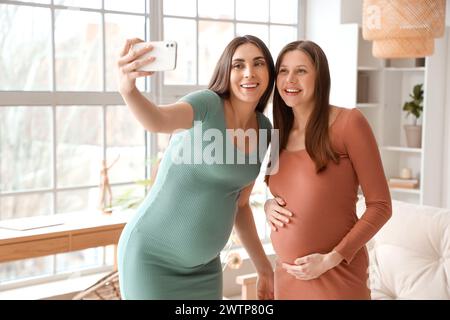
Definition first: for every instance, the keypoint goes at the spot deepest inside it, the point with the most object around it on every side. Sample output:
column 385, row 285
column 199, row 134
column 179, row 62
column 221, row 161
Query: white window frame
column 54, row 99
column 57, row 99
column 174, row 92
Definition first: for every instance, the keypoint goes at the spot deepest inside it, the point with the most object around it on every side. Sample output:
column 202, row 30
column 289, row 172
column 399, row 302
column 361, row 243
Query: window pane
column 78, row 51
column 162, row 141
column 79, row 147
column 79, row 260
column 183, row 31
column 25, row 64
column 258, row 30
column 128, row 196
column 28, row 205
column 25, row 148
column 185, row 8
column 125, row 138
column 257, row 200
column 77, row 200
column 137, row 6
column 16, row 270
column 213, row 38
column 284, row 11
column 216, row 9
column 119, row 28
column 279, row 37
column 96, row 4
column 110, row 255
column 252, row 10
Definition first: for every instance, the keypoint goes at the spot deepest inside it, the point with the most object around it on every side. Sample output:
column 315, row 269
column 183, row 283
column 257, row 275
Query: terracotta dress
column 324, row 208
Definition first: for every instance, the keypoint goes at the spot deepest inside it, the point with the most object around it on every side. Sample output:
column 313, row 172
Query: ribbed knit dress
column 324, row 211
column 170, row 248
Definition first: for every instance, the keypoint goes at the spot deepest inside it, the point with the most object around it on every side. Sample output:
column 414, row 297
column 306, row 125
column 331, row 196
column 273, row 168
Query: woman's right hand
column 276, row 214
column 128, row 62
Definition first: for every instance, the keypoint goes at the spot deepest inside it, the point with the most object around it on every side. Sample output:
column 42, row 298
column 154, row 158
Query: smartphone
column 165, row 53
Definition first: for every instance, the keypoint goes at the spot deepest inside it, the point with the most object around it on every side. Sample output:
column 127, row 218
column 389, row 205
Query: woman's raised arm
column 153, row 118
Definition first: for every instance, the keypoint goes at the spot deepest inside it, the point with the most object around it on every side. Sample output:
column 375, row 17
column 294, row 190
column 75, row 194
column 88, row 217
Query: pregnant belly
column 309, row 232
column 192, row 234
column 201, row 243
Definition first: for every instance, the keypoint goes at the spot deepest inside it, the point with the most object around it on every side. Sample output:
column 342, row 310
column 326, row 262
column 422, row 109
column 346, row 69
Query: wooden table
column 79, row 230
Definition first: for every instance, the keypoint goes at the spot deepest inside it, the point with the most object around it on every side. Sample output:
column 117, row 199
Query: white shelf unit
column 404, row 69
column 405, row 190
column 398, row 82
column 382, row 87
column 402, row 149
column 367, row 105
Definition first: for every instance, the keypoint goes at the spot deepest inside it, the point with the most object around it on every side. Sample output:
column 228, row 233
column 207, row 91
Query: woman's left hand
column 313, row 266
column 264, row 286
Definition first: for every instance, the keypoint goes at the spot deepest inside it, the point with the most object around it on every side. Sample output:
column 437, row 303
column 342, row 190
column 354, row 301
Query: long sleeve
column 363, row 152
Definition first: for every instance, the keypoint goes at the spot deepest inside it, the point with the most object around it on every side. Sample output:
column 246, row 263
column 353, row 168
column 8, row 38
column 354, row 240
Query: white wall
column 434, row 145
column 447, row 15
column 446, row 149
column 323, row 26
column 321, row 15
column 351, row 11
column 446, row 146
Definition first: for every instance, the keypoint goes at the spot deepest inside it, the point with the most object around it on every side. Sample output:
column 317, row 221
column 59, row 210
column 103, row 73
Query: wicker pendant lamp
column 403, row 28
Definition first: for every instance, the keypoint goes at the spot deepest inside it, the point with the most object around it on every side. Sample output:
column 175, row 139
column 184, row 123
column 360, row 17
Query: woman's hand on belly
column 313, row 266
column 275, row 213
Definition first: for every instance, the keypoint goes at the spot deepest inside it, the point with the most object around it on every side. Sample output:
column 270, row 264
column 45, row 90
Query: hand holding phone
column 165, row 53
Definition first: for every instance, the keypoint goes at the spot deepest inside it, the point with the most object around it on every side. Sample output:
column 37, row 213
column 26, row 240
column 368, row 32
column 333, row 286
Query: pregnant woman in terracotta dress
column 326, row 153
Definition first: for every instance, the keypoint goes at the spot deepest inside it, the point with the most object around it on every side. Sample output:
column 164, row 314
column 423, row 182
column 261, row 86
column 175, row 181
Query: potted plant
column 414, row 107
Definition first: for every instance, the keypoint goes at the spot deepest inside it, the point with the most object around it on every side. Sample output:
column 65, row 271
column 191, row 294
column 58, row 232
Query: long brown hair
column 220, row 80
column 317, row 140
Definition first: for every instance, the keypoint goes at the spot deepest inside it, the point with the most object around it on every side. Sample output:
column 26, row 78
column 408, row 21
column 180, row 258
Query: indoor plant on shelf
column 415, row 107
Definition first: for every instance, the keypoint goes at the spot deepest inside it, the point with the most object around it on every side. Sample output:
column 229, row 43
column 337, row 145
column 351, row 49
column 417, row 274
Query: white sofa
column 410, row 256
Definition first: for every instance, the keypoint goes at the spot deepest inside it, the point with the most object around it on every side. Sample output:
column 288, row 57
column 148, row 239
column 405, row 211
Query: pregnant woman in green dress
column 171, row 248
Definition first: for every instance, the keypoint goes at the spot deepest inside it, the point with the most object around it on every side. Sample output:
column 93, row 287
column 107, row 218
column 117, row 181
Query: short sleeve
column 265, row 122
column 203, row 102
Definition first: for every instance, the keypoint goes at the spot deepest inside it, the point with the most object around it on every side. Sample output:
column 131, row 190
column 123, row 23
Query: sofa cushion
column 410, row 255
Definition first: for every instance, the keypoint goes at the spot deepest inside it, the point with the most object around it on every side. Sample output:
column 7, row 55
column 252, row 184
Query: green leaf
column 144, row 183
column 418, row 92
column 414, row 106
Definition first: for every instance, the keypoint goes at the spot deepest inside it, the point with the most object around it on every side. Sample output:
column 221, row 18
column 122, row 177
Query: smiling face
column 249, row 76
column 296, row 78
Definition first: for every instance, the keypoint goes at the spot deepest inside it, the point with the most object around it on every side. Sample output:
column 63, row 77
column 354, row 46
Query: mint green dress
column 170, row 248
